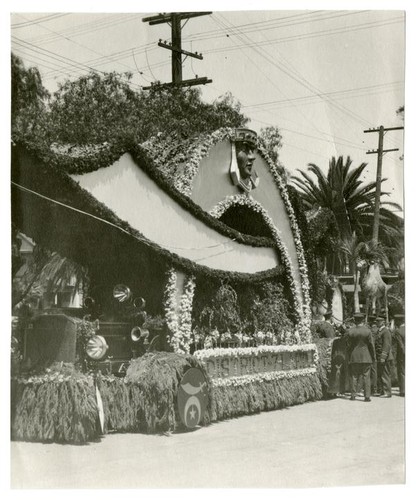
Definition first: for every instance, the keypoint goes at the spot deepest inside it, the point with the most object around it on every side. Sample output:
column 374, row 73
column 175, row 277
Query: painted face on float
column 245, row 160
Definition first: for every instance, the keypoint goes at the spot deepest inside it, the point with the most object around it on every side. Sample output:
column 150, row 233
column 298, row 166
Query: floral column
column 179, row 294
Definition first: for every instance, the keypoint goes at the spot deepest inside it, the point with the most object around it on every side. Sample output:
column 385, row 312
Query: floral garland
column 54, row 377
column 220, row 352
column 303, row 269
column 302, row 333
column 261, row 377
column 184, row 183
column 179, row 322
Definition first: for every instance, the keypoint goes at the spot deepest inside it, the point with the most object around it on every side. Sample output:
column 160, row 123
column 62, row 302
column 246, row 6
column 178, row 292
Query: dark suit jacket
column 399, row 337
column 384, row 338
column 360, row 348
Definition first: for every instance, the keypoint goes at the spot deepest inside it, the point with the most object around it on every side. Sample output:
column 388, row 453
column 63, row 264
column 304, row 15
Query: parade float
column 198, row 305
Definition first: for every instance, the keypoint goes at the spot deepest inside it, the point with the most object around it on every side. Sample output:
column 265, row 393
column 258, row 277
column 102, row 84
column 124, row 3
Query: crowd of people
column 363, row 354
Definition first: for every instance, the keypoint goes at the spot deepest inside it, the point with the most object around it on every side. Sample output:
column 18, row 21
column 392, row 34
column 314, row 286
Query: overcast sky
column 322, row 76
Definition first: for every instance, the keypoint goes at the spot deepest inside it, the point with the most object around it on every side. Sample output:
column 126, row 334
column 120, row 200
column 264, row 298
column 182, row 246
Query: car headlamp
column 96, row 347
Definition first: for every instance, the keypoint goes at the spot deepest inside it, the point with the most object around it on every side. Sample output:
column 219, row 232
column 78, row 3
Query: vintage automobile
column 94, row 340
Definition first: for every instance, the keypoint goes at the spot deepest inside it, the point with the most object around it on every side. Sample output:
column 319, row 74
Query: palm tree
column 343, row 192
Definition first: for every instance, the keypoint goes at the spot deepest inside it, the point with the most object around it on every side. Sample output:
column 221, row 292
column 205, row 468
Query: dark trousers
column 384, row 377
column 373, row 377
column 358, row 370
column 400, row 374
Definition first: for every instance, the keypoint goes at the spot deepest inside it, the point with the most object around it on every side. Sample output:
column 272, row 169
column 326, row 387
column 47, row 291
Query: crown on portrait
column 245, row 135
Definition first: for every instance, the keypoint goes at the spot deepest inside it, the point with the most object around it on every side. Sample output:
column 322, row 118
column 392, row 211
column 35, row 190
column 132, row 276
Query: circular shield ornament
column 192, row 397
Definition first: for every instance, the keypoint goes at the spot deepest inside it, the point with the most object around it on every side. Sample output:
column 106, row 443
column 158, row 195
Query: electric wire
column 293, row 74
column 61, row 59
column 80, row 44
column 38, row 20
column 100, row 219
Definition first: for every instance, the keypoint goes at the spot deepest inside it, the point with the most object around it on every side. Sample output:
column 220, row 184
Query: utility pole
column 380, row 151
column 174, row 19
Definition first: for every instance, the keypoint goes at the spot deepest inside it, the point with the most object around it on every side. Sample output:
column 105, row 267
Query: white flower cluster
column 55, row 377
column 221, row 352
column 183, row 182
column 170, row 302
column 304, row 327
column 179, row 322
column 302, row 333
column 261, row 377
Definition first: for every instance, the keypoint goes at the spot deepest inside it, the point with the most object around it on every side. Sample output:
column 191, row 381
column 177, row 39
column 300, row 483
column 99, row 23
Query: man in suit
column 374, row 331
column 399, row 338
column 384, row 357
column 360, row 355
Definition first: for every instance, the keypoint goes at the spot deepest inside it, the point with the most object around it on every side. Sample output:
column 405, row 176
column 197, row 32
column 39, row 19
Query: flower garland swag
column 59, row 406
column 256, row 392
column 183, row 182
column 302, row 333
column 179, row 319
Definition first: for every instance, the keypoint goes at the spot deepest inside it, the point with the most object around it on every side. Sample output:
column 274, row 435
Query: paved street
column 327, row 443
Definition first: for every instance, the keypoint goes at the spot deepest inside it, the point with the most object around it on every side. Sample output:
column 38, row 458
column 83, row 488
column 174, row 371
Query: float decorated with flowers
column 203, row 231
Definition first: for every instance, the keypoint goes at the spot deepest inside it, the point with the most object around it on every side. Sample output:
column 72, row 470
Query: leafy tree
column 220, row 309
column 400, row 112
column 266, row 309
column 271, row 140
column 29, row 100
column 96, row 108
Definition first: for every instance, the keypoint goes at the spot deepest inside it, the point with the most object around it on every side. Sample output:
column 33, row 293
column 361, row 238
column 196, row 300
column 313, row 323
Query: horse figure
column 374, row 289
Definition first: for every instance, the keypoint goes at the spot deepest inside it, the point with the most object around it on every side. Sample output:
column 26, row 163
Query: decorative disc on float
column 192, row 397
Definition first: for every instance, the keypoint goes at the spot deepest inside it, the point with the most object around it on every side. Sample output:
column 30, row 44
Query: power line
column 80, row 45
column 174, row 19
column 88, row 28
column 127, row 52
column 251, row 28
column 380, row 152
column 61, row 59
column 245, row 37
column 290, row 71
column 318, row 34
column 38, row 20
column 315, row 96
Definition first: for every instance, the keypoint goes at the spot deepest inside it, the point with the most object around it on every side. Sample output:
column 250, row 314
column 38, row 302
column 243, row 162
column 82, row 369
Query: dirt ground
column 325, row 443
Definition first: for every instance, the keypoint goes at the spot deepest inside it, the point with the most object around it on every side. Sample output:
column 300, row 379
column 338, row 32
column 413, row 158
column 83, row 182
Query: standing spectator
column 399, row 338
column 384, row 357
column 338, row 377
column 373, row 376
column 325, row 329
column 360, row 355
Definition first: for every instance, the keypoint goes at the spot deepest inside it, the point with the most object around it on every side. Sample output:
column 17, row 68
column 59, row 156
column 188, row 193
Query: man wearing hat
column 399, row 338
column 360, row 354
column 384, row 357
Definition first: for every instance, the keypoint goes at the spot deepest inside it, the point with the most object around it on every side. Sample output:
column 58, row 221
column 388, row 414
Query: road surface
column 326, row 443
